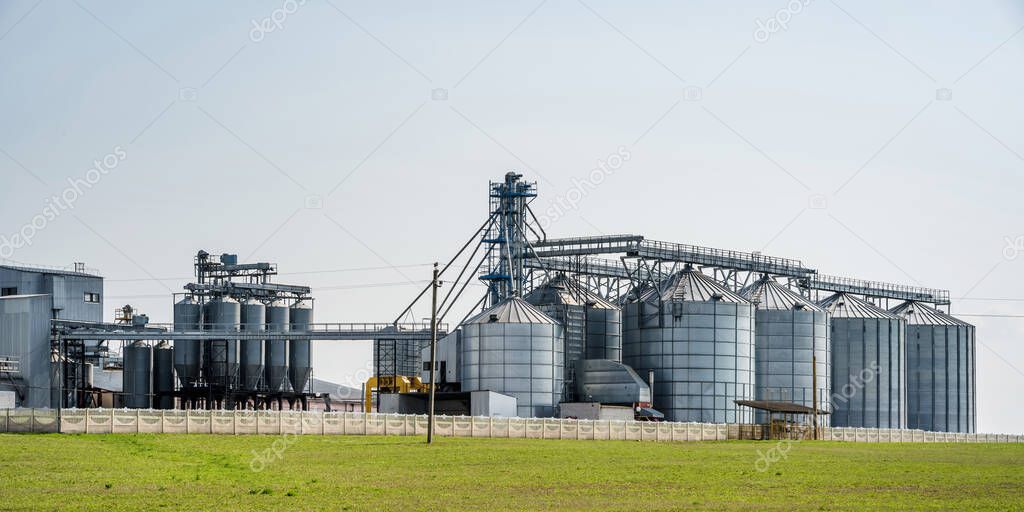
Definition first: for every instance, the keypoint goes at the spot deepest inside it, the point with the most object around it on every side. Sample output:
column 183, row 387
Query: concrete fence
column 129, row 421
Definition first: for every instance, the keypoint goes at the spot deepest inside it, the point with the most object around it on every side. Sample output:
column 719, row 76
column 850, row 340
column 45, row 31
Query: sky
column 352, row 143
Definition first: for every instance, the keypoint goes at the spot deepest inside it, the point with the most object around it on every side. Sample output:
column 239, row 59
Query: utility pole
column 814, row 392
column 435, row 284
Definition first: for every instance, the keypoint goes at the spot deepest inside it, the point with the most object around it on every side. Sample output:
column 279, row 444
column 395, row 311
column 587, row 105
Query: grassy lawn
column 203, row 472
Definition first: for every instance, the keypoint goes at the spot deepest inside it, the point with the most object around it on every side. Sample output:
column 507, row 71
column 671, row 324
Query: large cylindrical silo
column 604, row 329
column 790, row 333
column 562, row 299
column 250, row 352
column 163, row 377
column 697, row 337
column 515, row 349
column 188, row 316
column 299, row 358
column 868, row 364
column 220, row 357
column 137, row 374
column 276, row 351
column 940, row 370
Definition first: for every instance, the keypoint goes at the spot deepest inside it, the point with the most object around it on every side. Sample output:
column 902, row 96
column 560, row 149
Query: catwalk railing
column 132, row 421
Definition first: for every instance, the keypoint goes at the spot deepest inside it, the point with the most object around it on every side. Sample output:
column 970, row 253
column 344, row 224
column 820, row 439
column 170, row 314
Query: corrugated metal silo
column 299, row 360
column 515, row 349
column 604, row 329
column 188, row 316
column 276, row 351
column 791, row 332
column 940, row 370
column 163, row 376
column 220, row 357
column 868, row 364
column 137, row 386
column 250, row 353
column 563, row 301
column 698, row 338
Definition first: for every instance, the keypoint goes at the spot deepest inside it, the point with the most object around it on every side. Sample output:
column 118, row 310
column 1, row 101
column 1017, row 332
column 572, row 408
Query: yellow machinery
column 396, row 384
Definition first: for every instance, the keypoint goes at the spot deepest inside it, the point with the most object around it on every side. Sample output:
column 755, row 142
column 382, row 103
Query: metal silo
column 275, row 354
column 515, row 349
column 698, row 338
column 250, row 352
column 188, row 316
column 790, row 333
column 163, row 376
column 138, row 362
column 604, row 329
column 299, row 361
column 940, row 370
column 868, row 364
column 220, row 357
column 562, row 299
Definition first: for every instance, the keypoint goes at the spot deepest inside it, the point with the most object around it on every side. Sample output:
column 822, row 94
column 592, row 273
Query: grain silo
column 188, row 316
column 250, row 352
column 163, row 376
column 275, row 357
column 220, row 356
column 791, row 332
column 868, row 364
column 300, row 363
column 515, row 349
column 940, row 370
column 137, row 386
column 698, row 338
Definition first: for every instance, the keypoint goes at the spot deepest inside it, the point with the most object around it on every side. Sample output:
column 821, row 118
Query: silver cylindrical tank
column 515, row 349
column 188, row 316
column 868, row 364
column 604, row 329
column 940, row 370
column 220, row 357
column 698, row 338
column 300, row 364
column 276, row 351
column 163, row 376
column 250, row 352
column 562, row 299
column 137, row 374
column 791, row 333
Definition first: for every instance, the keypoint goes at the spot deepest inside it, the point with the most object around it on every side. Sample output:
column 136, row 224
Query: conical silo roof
column 767, row 293
column 917, row 313
column 690, row 284
column 843, row 305
column 512, row 311
column 562, row 289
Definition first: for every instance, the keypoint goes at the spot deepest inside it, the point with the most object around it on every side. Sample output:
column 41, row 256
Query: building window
column 4, row 292
column 92, row 298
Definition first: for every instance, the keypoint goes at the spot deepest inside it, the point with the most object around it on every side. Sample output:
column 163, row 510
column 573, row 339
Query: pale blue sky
column 847, row 90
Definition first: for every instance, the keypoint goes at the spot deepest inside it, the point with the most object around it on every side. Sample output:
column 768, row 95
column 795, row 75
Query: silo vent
column 493, row 318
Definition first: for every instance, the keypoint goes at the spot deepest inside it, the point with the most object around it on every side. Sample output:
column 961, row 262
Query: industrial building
column 592, row 327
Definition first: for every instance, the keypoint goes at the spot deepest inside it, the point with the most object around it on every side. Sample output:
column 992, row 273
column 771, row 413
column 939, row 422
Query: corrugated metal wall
column 25, row 335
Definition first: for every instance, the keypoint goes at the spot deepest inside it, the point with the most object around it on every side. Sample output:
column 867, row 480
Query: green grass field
column 203, row 472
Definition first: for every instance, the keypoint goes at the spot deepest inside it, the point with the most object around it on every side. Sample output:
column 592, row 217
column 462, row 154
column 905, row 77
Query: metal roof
column 54, row 271
column 842, row 305
column 690, row 284
column 767, row 293
column 779, row 407
column 513, row 310
column 562, row 289
column 917, row 313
